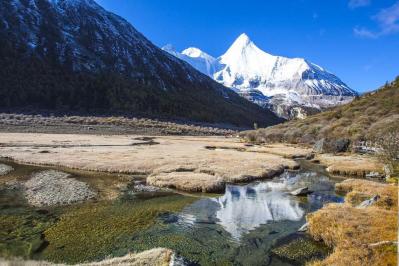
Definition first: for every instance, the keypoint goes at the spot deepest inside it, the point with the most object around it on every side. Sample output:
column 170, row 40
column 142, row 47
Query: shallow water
column 243, row 225
column 240, row 227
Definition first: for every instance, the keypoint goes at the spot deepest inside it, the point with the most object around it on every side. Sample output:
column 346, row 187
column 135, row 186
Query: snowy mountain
column 74, row 56
column 293, row 87
column 195, row 57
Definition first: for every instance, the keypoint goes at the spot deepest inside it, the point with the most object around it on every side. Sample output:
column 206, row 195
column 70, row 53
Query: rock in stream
column 5, row 169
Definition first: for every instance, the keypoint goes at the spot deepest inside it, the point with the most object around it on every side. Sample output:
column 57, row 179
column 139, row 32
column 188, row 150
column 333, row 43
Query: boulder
column 304, row 228
column 388, row 171
column 5, row 169
column 319, row 146
column 301, row 192
column 369, row 202
column 331, row 145
column 374, row 175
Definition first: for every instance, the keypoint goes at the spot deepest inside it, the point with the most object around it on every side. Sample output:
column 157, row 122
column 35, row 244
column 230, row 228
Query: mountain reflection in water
column 243, row 209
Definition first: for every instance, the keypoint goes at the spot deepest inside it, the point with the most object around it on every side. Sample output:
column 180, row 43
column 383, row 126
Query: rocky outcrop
column 331, row 145
column 50, row 188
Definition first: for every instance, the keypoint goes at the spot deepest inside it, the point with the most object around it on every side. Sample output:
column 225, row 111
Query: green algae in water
column 301, row 250
column 22, row 227
column 204, row 246
column 94, row 231
column 21, row 233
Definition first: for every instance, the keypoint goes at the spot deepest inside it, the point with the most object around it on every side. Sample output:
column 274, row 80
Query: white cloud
column 387, row 20
column 365, row 33
column 359, row 3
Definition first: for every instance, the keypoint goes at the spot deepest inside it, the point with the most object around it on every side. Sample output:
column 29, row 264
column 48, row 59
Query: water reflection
column 243, row 225
column 243, row 209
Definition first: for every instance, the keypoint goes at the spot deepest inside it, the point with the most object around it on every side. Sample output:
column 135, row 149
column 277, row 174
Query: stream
column 244, row 226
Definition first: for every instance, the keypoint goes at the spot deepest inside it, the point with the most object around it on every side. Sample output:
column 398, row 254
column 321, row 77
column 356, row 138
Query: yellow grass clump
column 156, row 257
column 359, row 236
column 350, row 164
column 188, row 181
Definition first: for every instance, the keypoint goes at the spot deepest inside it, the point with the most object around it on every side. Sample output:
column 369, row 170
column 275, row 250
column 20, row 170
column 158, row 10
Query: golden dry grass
column 358, row 190
column 350, row 164
column 128, row 154
column 285, row 150
column 351, row 231
column 188, row 181
column 156, row 257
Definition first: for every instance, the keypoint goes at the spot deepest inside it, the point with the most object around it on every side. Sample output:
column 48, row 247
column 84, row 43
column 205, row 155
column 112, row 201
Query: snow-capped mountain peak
column 197, row 53
column 200, row 60
column 241, row 42
column 243, row 61
column 291, row 82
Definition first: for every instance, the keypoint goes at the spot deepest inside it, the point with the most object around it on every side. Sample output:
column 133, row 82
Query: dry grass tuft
column 156, row 257
column 188, row 181
column 350, row 164
column 351, row 231
column 358, row 190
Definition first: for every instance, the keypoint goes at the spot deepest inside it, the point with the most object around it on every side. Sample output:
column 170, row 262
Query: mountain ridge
column 75, row 55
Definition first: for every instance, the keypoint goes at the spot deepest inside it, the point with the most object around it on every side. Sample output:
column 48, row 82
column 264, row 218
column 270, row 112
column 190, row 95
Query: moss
column 21, row 234
column 198, row 245
column 215, row 250
column 95, row 230
column 301, row 250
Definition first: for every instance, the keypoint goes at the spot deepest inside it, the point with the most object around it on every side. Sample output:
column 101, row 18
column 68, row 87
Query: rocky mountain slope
column 74, row 56
column 292, row 87
column 368, row 118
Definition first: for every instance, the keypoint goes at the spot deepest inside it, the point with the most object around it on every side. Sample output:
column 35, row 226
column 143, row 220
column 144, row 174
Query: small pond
column 244, row 226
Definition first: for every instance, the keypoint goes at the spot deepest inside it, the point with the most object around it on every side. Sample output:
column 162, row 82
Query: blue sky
column 356, row 39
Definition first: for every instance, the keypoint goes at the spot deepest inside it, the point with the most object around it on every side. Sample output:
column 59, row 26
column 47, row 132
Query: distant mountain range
column 290, row 87
column 74, row 56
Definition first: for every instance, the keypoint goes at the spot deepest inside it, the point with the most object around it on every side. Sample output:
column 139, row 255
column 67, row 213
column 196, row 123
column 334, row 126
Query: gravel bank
column 5, row 169
column 49, row 188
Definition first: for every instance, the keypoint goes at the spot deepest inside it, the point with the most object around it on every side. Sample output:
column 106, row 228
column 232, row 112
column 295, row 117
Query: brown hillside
column 369, row 116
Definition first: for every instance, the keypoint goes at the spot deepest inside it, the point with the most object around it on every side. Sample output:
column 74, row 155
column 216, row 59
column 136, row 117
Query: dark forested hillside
column 73, row 56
